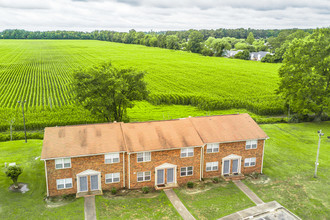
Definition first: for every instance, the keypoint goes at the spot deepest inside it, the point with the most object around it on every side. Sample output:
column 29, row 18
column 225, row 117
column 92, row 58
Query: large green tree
column 194, row 43
column 305, row 74
column 13, row 173
column 108, row 91
column 250, row 38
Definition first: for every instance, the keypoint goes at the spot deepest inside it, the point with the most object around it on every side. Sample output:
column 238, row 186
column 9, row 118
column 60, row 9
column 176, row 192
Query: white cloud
column 144, row 15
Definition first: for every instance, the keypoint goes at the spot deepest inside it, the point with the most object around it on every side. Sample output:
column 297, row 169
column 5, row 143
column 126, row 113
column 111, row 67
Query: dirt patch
column 53, row 202
column 135, row 193
column 262, row 179
column 203, row 186
column 22, row 188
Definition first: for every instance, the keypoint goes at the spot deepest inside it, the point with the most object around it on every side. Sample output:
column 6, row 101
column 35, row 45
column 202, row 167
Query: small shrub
column 216, row 179
column 190, row 185
column 145, row 189
column 113, row 191
column 13, row 172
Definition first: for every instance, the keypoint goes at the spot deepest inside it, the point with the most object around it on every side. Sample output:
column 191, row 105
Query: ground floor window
column 64, row 183
column 143, row 176
column 250, row 162
column 112, row 178
column 212, row 166
column 186, row 171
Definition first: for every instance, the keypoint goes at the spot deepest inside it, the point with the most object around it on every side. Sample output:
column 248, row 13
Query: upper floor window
column 62, row 163
column 111, row 158
column 250, row 162
column 144, row 156
column 212, row 148
column 251, row 144
column 64, row 183
column 187, row 152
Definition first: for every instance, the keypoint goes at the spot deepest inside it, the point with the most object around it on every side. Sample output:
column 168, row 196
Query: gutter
column 129, row 170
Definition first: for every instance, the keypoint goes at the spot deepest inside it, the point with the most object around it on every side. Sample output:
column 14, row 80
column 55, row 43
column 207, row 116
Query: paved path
column 248, row 192
column 90, row 213
column 183, row 211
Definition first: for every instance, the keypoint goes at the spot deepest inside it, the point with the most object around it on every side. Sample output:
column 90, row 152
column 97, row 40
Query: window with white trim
column 111, row 158
column 212, row 148
column 250, row 162
column 187, row 152
column 251, row 144
column 143, row 176
column 186, row 171
column 64, row 183
column 112, row 178
column 212, row 166
column 144, row 157
column 63, row 163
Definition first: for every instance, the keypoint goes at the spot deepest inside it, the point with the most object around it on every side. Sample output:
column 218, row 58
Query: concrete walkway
column 90, row 213
column 248, row 192
column 183, row 211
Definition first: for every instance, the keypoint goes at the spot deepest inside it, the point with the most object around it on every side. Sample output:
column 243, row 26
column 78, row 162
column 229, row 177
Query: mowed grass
column 216, row 202
column 30, row 205
column 157, row 206
column 40, row 71
column 289, row 162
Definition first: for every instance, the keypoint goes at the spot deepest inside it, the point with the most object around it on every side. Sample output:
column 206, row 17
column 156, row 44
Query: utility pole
column 318, row 151
column 22, row 102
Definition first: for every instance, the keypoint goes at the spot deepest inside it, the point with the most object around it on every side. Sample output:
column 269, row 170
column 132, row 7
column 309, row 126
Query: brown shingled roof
column 70, row 141
column 227, row 128
column 82, row 140
column 160, row 135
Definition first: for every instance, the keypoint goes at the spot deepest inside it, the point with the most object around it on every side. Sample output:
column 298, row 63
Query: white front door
column 226, row 167
column 170, row 175
column 94, row 182
column 83, row 183
column 160, row 176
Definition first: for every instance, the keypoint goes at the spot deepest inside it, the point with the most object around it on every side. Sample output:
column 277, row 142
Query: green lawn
column 290, row 155
column 31, row 204
column 216, row 202
column 157, row 206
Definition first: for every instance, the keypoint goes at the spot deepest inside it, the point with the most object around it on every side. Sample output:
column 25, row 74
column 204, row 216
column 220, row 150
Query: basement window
column 112, row 178
column 64, row 183
column 212, row 166
column 63, row 163
column 187, row 152
column 251, row 144
column 111, row 158
column 250, row 162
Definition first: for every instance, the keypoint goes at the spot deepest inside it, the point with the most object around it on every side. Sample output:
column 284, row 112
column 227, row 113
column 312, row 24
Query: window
column 143, row 176
column 212, row 148
column 111, row 158
column 212, row 166
column 143, row 157
column 251, row 144
column 186, row 171
column 64, row 183
column 63, row 163
column 112, row 178
column 250, row 162
column 187, row 152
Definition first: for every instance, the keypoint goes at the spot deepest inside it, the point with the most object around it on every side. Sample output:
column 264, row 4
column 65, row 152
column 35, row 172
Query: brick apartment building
column 87, row 159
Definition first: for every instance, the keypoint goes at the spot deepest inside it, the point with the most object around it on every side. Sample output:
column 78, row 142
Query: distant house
column 258, row 55
column 87, row 159
column 253, row 55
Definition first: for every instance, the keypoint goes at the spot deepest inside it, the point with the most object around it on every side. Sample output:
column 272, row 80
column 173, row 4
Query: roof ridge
column 123, row 134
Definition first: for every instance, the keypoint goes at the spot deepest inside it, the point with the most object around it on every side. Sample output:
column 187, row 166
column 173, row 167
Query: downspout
column 262, row 160
column 46, row 178
column 124, row 168
column 129, row 170
column 201, row 165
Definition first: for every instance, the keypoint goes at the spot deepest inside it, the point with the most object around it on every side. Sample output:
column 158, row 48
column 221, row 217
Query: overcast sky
column 146, row 15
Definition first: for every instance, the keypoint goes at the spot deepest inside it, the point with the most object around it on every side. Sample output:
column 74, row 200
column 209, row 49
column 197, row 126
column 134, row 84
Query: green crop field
column 40, row 72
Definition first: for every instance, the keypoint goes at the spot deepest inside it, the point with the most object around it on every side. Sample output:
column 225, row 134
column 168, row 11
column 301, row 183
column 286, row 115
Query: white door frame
column 88, row 173
column 164, row 167
column 230, row 158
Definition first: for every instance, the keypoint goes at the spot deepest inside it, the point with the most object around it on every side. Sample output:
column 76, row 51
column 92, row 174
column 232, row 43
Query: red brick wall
column 237, row 148
column 160, row 157
column 78, row 165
